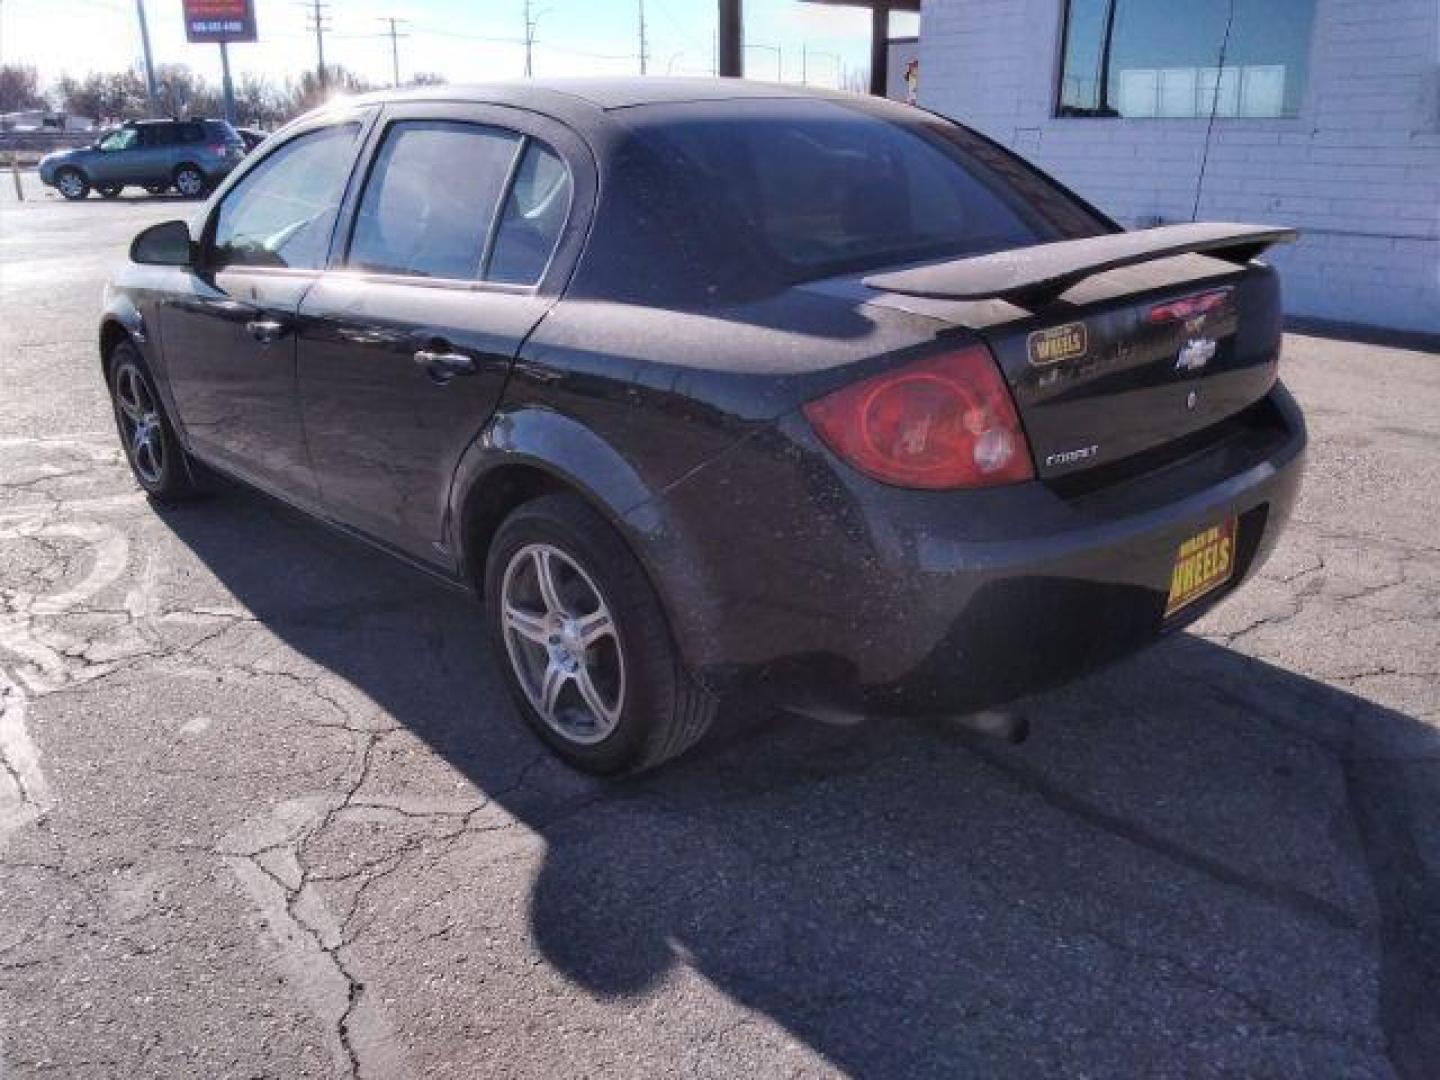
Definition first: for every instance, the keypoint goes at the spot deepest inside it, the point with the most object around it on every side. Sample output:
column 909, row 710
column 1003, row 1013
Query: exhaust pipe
column 1009, row 726
column 1012, row 727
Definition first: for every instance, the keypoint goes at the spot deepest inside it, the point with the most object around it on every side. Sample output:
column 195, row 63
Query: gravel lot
column 265, row 812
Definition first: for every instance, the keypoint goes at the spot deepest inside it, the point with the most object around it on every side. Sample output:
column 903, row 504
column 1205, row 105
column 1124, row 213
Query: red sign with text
column 219, row 20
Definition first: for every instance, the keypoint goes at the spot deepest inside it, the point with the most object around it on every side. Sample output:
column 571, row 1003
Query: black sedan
column 710, row 387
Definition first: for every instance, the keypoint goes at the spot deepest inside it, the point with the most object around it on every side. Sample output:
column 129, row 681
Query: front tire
column 190, row 181
column 157, row 189
column 72, row 184
column 586, row 649
column 157, row 460
column 108, row 191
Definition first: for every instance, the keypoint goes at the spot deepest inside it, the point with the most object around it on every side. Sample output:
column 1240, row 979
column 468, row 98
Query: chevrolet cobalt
column 710, row 387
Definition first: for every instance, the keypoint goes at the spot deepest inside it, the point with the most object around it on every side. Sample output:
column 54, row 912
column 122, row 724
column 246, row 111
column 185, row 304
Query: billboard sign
column 219, row 20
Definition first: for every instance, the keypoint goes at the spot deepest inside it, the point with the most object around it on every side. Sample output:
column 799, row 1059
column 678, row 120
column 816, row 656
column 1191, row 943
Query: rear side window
column 281, row 213
column 431, row 199
column 214, row 130
column 535, row 212
column 816, row 187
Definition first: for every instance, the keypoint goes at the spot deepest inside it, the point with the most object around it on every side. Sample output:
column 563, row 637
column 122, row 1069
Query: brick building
column 1325, row 115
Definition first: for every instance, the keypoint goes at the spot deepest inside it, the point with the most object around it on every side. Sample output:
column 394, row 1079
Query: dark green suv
column 189, row 155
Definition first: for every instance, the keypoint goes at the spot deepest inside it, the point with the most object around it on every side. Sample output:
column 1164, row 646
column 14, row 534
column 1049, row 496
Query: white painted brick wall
column 1358, row 171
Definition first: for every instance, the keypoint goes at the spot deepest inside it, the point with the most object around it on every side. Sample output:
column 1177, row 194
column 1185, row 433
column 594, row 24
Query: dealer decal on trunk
column 1057, row 343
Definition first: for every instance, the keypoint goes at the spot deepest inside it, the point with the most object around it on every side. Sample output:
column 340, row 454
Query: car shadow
column 1198, row 863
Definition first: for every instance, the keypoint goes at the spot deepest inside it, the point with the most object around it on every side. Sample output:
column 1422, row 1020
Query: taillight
column 1189, row 307
column 943, row 422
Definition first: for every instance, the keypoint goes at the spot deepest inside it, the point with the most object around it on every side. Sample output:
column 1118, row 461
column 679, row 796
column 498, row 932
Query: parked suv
column 189, row 155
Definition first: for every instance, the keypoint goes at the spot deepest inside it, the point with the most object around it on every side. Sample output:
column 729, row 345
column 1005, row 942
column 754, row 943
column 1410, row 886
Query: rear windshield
column 822, row 187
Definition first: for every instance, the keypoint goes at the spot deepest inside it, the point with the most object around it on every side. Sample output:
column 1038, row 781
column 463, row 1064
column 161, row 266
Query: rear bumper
column 785, row 570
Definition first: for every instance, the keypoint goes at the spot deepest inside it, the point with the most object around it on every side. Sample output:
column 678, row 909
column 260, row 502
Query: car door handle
column 444, row 366
column 266, row 330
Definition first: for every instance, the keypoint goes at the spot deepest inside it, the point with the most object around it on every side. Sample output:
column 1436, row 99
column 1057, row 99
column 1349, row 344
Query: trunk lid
column 1117, row 344
column 1129, row 367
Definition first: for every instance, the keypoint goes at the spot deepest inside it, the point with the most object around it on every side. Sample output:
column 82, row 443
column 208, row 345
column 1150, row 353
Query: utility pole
column 149, row 61
column 394, row 45
column 531, row 19
column 644, row 46
column 317, row 17
column 731, row 32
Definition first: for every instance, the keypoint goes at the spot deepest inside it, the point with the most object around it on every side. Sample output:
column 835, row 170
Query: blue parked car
column 189, row 155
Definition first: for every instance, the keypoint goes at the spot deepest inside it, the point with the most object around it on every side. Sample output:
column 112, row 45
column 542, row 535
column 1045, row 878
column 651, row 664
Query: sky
column 456, row 38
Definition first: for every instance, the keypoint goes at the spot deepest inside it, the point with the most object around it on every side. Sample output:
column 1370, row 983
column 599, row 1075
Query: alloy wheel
column 189, row 182
column 71, row 184
column 562, row 643
column 140, row 423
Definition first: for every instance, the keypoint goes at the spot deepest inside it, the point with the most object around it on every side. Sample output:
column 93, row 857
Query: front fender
column 120, row 315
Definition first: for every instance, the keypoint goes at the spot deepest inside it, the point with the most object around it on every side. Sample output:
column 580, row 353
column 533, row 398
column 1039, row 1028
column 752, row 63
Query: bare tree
column 259, row 101
column 19, row 88
column 308, row 92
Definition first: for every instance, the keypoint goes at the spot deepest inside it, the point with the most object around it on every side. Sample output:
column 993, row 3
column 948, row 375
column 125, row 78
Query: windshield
column 822, row 187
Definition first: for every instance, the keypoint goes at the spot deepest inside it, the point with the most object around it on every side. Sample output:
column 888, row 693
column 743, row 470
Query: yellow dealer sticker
column 1203, row 564
column 1058, row 343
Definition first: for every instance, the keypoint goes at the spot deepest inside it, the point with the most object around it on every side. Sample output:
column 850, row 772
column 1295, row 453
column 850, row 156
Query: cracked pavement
column 264, row 810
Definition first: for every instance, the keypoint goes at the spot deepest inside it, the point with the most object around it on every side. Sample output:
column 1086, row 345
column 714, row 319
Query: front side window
column 123, row 139
column 1162, row 58
column 535, row 212
column 281, row 214
column 431, row 199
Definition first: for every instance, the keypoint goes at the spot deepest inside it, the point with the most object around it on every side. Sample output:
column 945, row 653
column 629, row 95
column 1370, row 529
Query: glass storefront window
column 1161, row 58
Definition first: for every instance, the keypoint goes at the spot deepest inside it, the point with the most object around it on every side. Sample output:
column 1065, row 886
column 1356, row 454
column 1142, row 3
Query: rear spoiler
column 1033, row 276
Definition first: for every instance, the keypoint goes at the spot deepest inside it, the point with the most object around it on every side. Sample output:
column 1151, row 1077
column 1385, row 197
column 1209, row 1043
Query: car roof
column 617, row 92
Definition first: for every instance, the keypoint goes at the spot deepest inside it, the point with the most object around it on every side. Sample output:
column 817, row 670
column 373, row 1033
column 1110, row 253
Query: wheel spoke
column 595, row 626
column 144, row 453
column 604, row 713
column 545, row 578
column 551, row 684
column 527, row 624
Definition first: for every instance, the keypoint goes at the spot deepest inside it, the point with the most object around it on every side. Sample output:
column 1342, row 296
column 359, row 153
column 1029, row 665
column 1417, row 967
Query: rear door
column 446, row 266
column 150, row 161
column 229, row 339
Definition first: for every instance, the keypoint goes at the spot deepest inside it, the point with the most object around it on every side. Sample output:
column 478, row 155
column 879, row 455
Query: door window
column 535, row 212
column 431, row 198
column 123, row 139
column 281, row 213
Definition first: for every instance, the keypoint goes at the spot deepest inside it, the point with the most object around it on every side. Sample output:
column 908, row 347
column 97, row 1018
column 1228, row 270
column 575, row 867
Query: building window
column 1162, row 58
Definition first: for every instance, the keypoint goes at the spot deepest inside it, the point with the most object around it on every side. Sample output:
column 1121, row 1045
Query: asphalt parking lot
column 264, row 810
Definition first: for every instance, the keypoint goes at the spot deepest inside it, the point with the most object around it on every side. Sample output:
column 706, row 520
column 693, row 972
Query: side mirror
column 166, row 244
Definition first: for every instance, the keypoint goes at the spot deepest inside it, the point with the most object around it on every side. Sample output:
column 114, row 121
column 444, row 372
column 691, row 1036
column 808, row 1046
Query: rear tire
column 109, row 191
column 620, row 702
column 157, row 460
column 190, row 181
column 157, row 189
column 72, row 184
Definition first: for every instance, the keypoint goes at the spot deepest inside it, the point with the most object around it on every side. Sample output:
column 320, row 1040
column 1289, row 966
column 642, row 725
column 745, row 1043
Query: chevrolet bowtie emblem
column 1195, row 354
